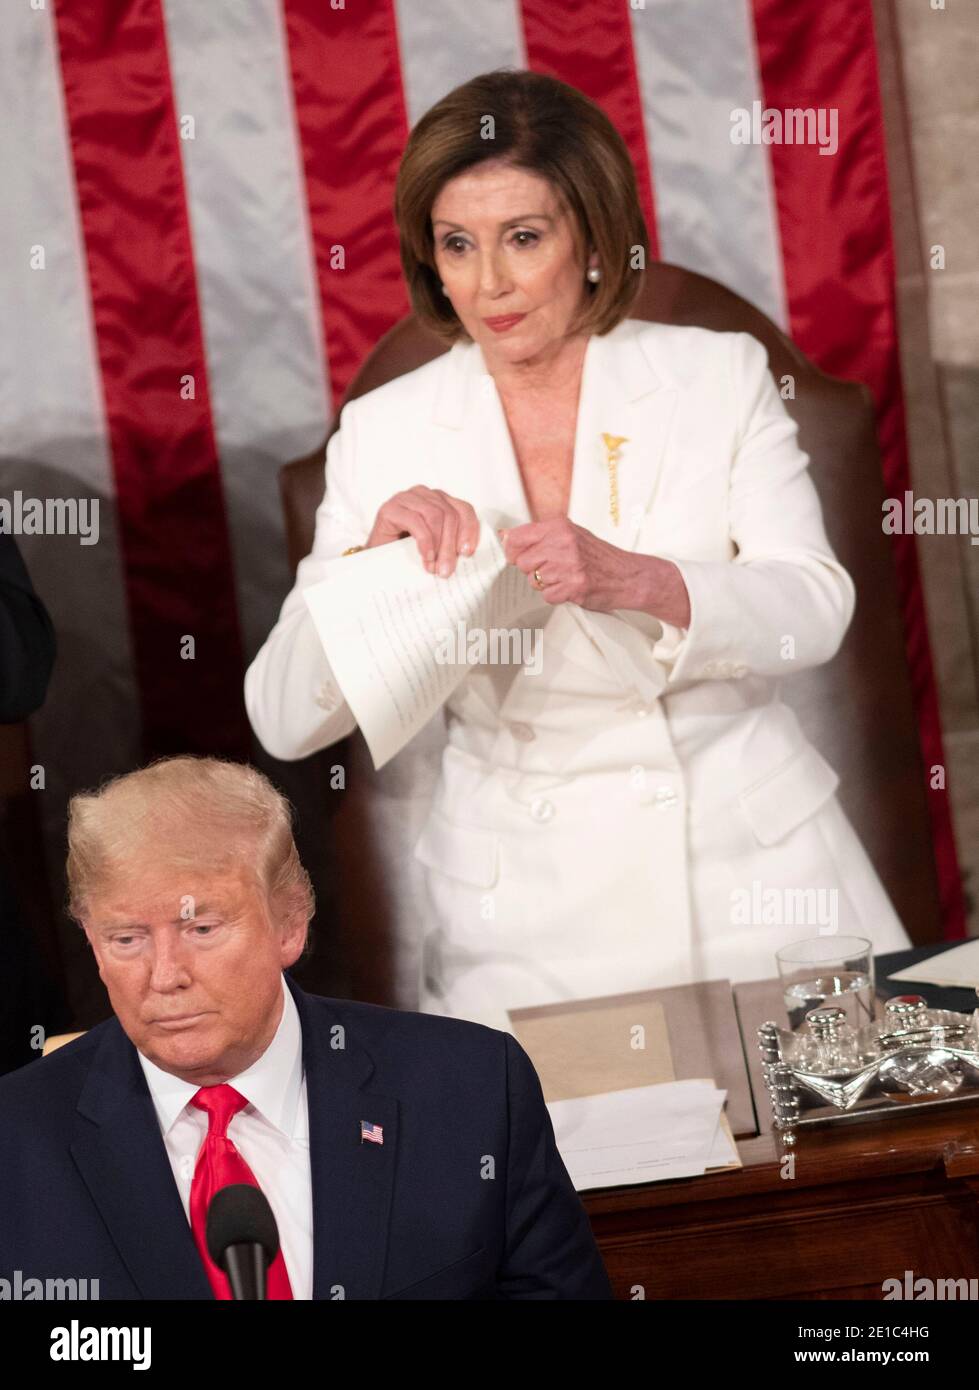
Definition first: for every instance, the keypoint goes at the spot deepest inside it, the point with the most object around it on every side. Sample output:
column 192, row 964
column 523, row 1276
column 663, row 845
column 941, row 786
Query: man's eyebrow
column 212, row 908
column 512, row 222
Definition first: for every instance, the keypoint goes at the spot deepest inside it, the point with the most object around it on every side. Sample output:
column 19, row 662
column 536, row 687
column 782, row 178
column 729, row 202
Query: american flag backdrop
column 199, row 250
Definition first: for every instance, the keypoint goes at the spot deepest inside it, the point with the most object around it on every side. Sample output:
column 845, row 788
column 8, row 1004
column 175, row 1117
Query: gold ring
column 537, row 577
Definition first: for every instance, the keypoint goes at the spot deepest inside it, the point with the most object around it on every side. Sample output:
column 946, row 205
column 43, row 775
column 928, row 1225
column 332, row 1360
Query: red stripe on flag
column 346, row 79
column 834, row 215
column 591, row 49
column 173, row 528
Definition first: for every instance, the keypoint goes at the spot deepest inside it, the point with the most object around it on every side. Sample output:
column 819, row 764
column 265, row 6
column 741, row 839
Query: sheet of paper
column 644, row 1134
column 957, row 966
column 399, row 640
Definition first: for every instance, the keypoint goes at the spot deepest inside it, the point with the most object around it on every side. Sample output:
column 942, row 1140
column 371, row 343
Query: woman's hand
column 576, row 566
column 443, row 527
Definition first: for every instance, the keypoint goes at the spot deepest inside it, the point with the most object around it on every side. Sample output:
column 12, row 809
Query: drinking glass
column 828, row 970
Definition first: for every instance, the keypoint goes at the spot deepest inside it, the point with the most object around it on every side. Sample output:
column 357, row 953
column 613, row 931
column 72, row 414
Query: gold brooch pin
column 612, row 443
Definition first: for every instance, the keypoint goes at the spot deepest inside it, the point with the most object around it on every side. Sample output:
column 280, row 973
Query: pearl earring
column 594, row 274
column 444, row 290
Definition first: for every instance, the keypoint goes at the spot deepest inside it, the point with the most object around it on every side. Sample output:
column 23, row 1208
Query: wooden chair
column 857, row 709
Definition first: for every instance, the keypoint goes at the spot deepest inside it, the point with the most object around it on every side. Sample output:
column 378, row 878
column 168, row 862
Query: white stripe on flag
column 444, row 43
column 715, row 201
column 259, row 303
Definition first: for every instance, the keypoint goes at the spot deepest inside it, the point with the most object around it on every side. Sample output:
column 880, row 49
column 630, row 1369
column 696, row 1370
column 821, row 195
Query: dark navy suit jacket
column 467, row 1197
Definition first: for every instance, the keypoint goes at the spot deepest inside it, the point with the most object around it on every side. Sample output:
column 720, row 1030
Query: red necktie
column 218, row 1165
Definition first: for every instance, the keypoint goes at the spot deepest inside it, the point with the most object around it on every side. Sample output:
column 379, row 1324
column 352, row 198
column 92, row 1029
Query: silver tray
column 914, row 1069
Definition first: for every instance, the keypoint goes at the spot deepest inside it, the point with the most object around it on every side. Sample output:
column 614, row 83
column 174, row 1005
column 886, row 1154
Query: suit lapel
column 352, row 1180
column 621, row 395
column 119, row 1151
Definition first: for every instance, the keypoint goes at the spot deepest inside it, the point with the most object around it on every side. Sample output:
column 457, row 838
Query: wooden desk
column 832, row 1217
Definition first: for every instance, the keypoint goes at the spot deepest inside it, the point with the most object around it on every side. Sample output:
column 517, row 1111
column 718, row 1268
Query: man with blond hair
column 402, row 1155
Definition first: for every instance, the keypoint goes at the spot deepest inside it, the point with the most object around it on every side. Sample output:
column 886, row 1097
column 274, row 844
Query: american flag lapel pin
column 374, row 1134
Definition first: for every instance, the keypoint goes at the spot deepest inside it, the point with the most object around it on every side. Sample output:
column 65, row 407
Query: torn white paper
column 385, row 624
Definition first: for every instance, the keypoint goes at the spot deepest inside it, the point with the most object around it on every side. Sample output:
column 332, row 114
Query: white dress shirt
column 271, row 1133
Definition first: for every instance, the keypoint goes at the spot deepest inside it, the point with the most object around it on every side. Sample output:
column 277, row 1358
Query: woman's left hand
column 575, row 566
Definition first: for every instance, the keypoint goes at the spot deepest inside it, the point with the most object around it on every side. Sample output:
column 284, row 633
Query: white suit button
column 522, row 732
column 739, row 670
column 665, row 797
column 541, row 808
column 710, row 668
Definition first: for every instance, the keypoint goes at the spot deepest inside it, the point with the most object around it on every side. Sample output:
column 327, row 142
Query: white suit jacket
column 710, row 476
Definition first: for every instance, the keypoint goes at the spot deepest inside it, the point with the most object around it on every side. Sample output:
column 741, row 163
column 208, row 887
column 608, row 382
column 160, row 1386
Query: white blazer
column 646, row 810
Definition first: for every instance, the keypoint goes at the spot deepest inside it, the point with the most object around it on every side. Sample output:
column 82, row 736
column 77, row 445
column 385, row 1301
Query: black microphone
column 242, row 1238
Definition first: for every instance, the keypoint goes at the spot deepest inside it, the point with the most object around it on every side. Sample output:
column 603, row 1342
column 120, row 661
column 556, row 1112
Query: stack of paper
column 644, row 1134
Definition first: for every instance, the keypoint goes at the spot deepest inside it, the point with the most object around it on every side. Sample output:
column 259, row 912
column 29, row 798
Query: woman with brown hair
column 599, row 826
